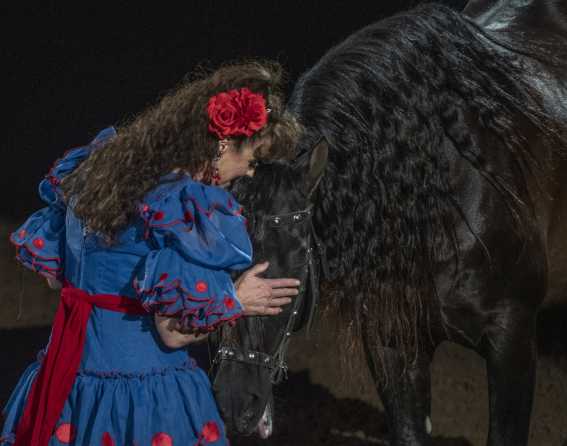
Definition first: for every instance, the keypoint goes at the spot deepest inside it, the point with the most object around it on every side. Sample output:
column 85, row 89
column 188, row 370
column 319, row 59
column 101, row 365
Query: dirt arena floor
column 319, row 405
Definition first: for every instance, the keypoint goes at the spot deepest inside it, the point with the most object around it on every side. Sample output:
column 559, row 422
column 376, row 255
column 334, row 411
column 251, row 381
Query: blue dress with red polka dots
column 176, row 258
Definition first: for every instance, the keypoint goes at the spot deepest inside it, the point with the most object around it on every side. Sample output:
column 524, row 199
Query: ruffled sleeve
column 200, row 236
column 40, row 240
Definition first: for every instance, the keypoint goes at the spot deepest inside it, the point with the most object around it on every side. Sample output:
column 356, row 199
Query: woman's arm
column 258, row 297
column 53, row 283
column 171, row 333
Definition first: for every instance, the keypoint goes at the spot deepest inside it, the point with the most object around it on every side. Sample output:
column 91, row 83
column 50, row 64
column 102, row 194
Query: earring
column 223, row 147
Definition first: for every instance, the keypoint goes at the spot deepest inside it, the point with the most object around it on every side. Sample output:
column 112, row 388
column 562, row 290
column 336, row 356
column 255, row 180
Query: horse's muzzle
column 265, row 426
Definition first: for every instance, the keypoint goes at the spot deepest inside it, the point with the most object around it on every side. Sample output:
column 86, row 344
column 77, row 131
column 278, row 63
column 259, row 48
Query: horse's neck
column 535, row 24
column 535, row 16
column 495, row 13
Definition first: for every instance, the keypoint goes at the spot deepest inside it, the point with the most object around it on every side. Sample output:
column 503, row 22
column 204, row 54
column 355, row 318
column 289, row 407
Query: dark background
column 69, row 72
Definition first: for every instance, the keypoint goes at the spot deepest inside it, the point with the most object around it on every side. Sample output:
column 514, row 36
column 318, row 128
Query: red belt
column 57, row 373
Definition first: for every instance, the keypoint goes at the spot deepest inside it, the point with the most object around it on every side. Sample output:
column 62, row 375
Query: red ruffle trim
column 153, row 300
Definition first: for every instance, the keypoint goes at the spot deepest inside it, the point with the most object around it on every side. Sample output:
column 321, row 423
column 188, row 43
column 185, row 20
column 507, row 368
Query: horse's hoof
column 428, row 425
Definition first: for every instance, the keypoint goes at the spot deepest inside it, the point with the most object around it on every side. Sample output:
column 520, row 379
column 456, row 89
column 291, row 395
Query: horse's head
column 250, row 357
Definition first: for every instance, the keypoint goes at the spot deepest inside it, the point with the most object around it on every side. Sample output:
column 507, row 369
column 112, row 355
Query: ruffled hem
column 199, row 320
column 15, row 406
column 175, row 406
column 38, row 242
column 202, row 298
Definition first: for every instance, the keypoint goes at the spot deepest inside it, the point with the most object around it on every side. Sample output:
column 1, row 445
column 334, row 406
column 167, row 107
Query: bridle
column 276, row 362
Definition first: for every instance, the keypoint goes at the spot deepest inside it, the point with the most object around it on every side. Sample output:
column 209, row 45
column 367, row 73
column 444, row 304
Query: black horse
column 441, row 211
column 251, row 356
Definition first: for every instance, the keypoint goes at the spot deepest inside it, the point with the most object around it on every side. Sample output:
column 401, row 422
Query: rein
column 276, row 362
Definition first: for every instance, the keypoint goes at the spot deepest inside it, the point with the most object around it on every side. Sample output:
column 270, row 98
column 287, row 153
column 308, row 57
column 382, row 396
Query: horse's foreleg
column 406, row 395
column 510, row 352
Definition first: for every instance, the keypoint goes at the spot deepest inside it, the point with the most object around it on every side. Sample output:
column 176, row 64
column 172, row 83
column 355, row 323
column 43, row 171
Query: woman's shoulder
column 177, row 188
column 49, row 188
column 194, row 217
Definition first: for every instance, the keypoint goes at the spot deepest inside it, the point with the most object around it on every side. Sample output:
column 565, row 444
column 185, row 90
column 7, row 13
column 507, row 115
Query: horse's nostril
column 243, row 423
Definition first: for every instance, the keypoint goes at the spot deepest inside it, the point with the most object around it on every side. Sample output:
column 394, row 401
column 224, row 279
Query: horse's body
column 443, row 208
column 544, row 21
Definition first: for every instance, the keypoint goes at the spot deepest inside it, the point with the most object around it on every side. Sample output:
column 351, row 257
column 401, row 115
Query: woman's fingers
column 282, row 283
column 264, row 297
column 263, row 310
column 279, row 301
column 282, row 292
column 266, row 306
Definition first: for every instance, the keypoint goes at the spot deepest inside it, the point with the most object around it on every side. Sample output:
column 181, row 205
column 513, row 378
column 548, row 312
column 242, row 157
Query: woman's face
column 236, row 163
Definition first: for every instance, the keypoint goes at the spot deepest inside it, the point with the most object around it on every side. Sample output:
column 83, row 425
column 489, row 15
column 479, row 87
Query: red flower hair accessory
column 237, row 113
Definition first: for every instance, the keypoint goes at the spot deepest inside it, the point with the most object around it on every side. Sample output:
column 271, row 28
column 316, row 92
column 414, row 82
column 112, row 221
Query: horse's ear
column 316, row 167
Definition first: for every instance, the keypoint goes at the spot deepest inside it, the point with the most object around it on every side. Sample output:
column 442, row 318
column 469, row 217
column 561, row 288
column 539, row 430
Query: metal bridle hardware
column 276, row 363
column 284, row 219
column 250, row 357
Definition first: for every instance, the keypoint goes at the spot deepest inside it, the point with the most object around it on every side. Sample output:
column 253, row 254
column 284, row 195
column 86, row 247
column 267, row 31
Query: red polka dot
column 65, row 433
column 22, row 233
column 228, row 303
column 188, row 216
column 162, row 439
column 39, row 243
column 211, row 432
column 145, row 208
column 163, row 277
column 201, row 286
column 107, row 440
column 159, row 215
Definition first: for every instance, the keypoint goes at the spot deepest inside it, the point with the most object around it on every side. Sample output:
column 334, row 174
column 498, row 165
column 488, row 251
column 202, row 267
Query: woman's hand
column 263, row 297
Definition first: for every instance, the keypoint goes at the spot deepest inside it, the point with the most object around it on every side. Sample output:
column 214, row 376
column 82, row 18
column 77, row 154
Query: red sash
column 56, row 376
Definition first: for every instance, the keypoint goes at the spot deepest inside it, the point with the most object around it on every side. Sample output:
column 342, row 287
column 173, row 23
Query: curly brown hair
column 107, row 187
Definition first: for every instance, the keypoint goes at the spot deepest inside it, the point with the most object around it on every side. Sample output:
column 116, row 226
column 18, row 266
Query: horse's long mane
column 392, row 101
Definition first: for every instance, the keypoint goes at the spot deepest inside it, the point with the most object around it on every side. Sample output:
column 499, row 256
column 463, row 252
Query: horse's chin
column 265, row 426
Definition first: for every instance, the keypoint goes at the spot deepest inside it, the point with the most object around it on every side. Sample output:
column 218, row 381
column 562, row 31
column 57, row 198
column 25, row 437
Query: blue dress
column 131, row 389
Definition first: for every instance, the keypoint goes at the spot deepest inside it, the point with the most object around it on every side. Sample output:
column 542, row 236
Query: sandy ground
column 317, row 405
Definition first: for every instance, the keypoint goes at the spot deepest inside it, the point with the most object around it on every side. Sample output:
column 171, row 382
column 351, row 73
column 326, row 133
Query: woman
column 141, row 236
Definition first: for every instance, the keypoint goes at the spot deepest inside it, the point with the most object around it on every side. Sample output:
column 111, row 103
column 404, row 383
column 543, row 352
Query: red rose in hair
column 237, row 113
